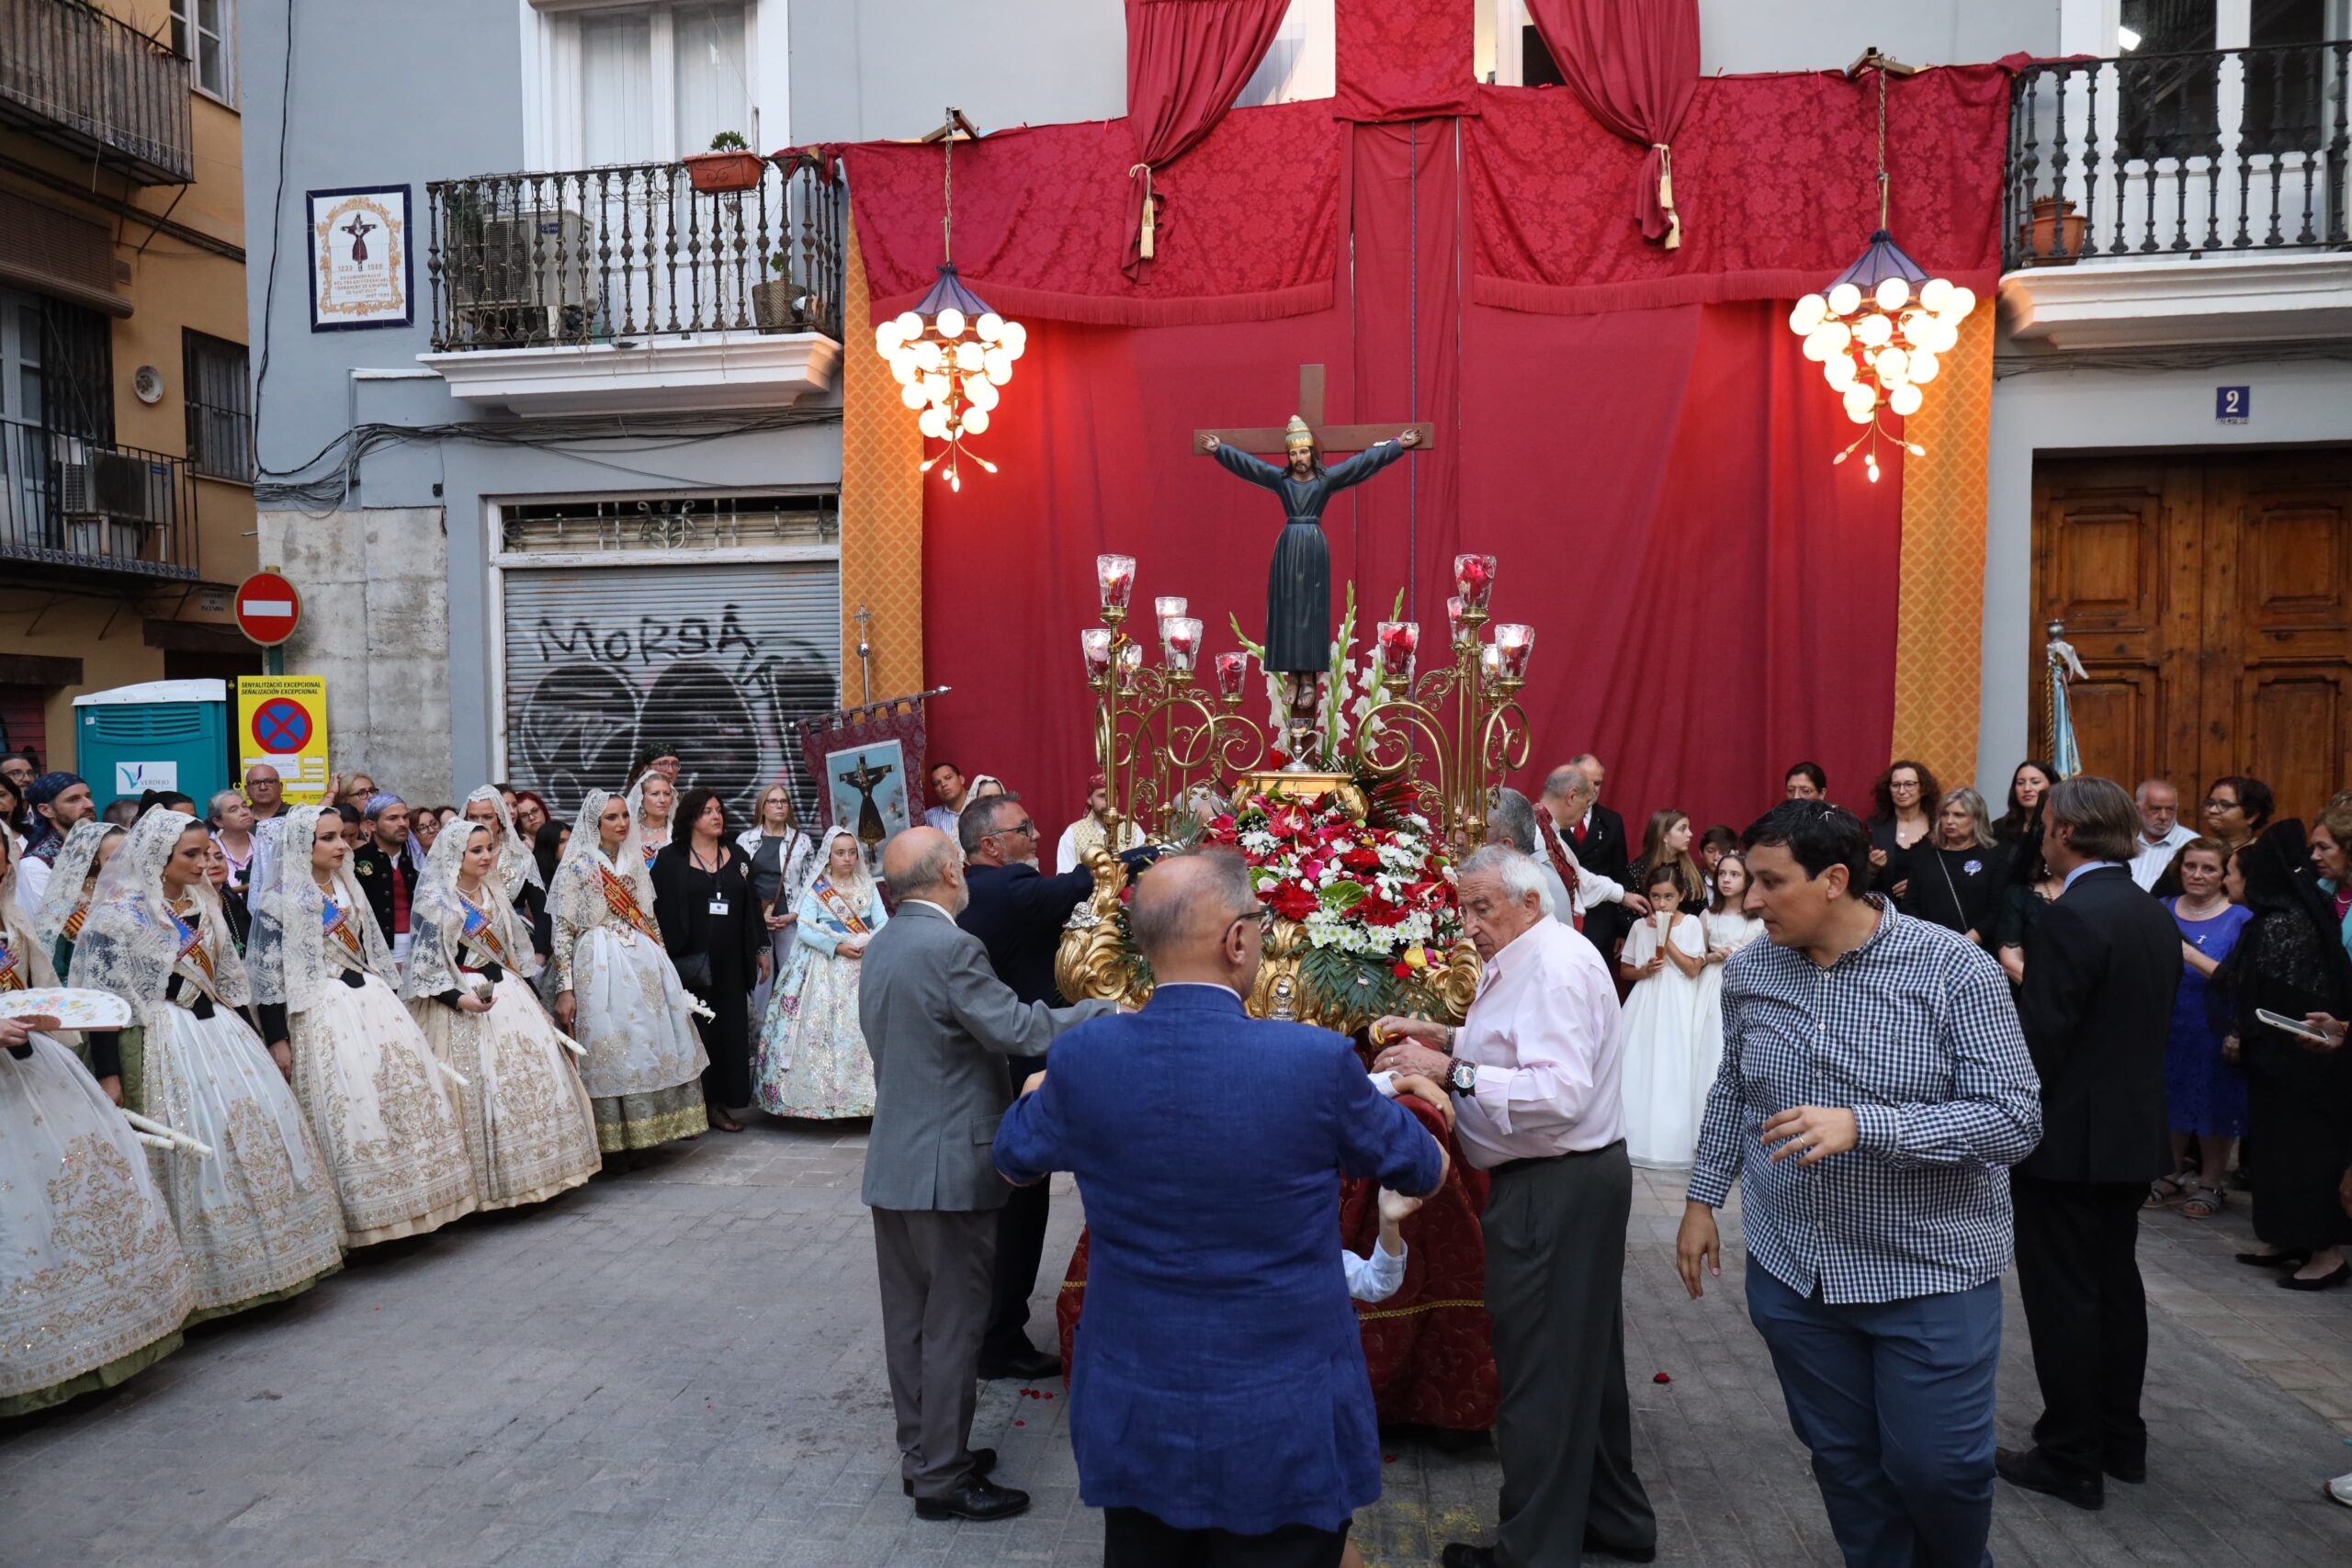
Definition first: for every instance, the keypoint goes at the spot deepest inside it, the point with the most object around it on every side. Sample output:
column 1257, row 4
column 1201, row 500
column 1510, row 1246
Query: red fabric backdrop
column 1634, row 65
column 1713, row 598
column 1187, row 60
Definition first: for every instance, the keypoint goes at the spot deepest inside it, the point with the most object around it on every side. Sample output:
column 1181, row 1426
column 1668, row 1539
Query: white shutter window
column 706, row 66
column 714, row 660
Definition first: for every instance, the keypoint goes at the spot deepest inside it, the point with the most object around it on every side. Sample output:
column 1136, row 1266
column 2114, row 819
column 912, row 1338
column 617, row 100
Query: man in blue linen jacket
column 1217, row 1387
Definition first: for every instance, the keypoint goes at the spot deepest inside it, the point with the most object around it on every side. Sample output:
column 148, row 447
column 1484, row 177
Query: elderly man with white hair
column 1535, row 1072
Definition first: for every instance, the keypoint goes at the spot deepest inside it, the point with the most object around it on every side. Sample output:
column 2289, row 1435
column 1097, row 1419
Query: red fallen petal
column 1661, row 1377
column 1388, row 1458
column 1044, row 1396
column 1021, row 1423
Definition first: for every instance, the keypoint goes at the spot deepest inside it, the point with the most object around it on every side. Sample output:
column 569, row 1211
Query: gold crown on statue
column 1296, row 431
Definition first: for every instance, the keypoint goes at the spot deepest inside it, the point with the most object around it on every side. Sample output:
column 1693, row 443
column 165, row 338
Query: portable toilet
column 155, row 735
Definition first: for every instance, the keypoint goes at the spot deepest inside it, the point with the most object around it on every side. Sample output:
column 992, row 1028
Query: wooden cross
column 1268, row 438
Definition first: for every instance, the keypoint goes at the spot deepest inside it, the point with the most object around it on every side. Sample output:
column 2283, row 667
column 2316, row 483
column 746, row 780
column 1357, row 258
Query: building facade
column 600, row 455
column 126, row 454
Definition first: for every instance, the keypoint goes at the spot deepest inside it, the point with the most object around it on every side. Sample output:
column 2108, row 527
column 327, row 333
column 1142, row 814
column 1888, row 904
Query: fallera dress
column 1662, row 1087
column 813, row 1061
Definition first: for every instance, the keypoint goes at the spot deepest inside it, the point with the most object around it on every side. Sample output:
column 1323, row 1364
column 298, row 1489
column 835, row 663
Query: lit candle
column 1096, row 643
column 1397, row 642
column 1489, row 659
column 1116, row 575
column 1513, row 644
column 1232, row 669
column 1180, row 639
column 1475, row 576
column 1167, row 606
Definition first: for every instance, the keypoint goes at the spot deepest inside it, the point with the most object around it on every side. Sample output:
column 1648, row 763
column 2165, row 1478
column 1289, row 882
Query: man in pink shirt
column 1535, row 1074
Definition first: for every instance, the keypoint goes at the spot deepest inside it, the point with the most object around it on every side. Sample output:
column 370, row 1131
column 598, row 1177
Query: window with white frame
column 205, row 31
column 1304, row 61
column 642, row 83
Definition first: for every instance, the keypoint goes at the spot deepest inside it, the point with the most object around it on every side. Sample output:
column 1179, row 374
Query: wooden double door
column 2210, row 599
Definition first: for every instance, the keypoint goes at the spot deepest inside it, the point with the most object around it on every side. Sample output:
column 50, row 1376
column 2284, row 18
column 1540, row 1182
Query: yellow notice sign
column 282, row 720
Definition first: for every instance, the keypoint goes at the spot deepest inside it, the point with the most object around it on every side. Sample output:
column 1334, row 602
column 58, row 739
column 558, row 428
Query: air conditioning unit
column 526, row 281
column 111, row 484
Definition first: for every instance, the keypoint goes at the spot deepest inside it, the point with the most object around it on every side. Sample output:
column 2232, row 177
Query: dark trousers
column 2078, row 1275
column 934, row 1273
column 1020, row 1248
column 1894, row 1400
column 1556, row 1268
column 1133, row 1538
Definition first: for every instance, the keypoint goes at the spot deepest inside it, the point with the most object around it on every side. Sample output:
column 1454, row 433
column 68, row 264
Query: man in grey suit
column 941, row 1027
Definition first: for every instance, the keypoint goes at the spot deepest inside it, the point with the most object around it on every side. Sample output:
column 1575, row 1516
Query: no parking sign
column 282, row 720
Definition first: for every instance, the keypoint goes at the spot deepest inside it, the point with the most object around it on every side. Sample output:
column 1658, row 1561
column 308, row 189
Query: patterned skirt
column 93, row 1284
column 258, row 1220
column 529, row 1127
column 812, row 1058
column 384, row 1115
column 644, row 1063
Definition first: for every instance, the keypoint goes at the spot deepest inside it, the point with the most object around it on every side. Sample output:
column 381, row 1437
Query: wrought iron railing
column 67, row 501
column 2227, row 150
column 72, row 75
column 632, row 250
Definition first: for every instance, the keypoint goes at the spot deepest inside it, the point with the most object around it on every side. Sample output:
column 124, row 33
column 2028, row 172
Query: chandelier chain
column 1881, row 145
column 947, row 183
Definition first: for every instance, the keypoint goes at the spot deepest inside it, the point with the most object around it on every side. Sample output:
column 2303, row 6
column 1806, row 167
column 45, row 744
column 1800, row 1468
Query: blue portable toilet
column 155, row 735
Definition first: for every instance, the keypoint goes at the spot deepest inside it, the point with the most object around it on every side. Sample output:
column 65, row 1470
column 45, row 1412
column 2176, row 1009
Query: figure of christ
column 865, row 779
column 1298, row 584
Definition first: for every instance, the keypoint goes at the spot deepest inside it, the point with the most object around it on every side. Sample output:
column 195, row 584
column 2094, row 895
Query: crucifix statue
column 1298, row 584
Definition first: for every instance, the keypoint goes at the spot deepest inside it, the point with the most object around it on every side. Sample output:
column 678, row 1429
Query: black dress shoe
column 1458, row 1555
column 2336, row 1276
column 2133, row 1472
column 2035, row 1473
column 983, row 1463
column 2273, row 1259
column 975, row 1498
column 1600, row 1548
column 1026, row 1362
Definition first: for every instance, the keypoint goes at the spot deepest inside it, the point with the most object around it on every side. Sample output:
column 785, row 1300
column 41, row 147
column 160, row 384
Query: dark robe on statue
column 1299, row 585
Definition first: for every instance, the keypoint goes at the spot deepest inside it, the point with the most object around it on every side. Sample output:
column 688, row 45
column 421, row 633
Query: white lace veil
column 858, row 890
column 437, row 918
column 288, row 945
column 515, row 866
column 131, row 941
column 628, row 862
column 67, row 878
column 637, row 812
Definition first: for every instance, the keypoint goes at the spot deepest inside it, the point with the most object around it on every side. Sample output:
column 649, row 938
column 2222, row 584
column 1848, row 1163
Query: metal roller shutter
column 712, row 659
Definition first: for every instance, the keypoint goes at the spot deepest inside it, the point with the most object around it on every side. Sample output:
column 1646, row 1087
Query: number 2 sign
column 2233, row 405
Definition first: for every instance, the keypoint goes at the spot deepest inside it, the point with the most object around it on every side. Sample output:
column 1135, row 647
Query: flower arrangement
column 1332, row 710
column 1374, row 900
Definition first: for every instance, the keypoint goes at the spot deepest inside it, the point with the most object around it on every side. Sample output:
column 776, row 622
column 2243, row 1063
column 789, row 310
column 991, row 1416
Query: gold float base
column 1306, row 789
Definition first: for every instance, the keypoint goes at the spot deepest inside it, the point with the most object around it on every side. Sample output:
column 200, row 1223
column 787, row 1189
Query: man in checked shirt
column 1875, row 1090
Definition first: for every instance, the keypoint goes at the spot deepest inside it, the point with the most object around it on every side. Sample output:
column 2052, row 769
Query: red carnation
column 1293, row 902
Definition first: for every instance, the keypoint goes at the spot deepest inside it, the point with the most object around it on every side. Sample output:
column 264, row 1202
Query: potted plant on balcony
column 775, row 303
column 2053, row 236
column 729, row 166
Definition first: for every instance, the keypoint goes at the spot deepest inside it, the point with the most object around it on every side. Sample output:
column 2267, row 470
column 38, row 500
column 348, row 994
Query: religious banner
column 362, row 274
column 867, row 763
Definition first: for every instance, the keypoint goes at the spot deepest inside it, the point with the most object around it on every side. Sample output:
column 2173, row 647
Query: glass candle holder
column 1096, row 643
column 1115, row 576
column 1475, row 576
column 1167, row 606
column 1180, row 642
column 1130, row 661
column 1513, row 644
column 1455, row 630
column 1397, row 642
column 1489, row 659
column 1232, row 669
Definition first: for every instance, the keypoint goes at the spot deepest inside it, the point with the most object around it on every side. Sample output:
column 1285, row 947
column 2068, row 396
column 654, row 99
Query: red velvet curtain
column 1187, row 60
column 1634, row 63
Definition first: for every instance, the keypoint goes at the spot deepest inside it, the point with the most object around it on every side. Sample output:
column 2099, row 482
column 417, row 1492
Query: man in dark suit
column 1597, row 837
column 940, row 1026
column 1219, row 1407
column 2100, row 971
column 383, row 869
column 1018, row 915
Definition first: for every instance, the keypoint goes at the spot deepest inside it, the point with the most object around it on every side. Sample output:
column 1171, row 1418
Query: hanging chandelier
column 1881, row 328
column 951, row 353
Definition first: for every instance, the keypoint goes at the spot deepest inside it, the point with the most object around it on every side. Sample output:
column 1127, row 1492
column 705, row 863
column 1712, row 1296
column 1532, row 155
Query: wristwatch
column 1462, row 1078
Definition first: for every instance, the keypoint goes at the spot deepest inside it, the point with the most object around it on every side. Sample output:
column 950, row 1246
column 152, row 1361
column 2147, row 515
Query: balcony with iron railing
column 667, row 295
column 75, row 78
column 76, row 509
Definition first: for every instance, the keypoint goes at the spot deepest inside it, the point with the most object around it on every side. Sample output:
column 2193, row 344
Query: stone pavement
column 683, row 1365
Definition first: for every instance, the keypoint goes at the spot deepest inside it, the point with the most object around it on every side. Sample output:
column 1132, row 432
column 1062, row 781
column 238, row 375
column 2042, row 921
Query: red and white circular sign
column 269, row 608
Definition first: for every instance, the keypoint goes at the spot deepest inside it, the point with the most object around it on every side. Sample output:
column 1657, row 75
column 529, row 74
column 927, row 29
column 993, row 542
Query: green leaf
column 1341, row 895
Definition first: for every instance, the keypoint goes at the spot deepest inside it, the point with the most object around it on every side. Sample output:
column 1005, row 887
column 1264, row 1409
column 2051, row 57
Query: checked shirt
column 1916, row 1032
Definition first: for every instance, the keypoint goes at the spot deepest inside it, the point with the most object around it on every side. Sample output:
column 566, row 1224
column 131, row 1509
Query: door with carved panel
column 2210, row 599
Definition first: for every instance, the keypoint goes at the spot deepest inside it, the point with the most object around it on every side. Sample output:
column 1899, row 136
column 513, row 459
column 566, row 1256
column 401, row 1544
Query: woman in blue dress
column 2204, row 1090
